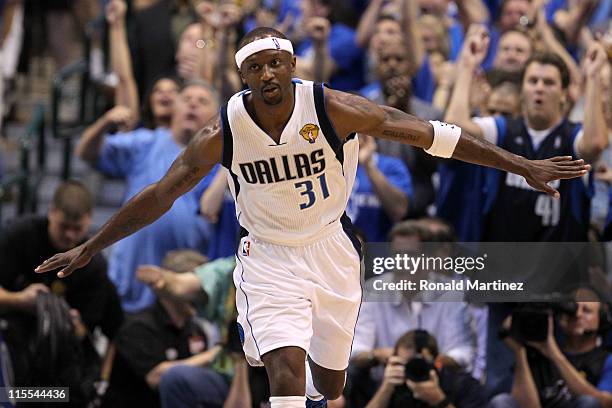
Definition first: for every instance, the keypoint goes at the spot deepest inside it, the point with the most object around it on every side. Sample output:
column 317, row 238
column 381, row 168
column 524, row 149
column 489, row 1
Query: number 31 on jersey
column 307, row 189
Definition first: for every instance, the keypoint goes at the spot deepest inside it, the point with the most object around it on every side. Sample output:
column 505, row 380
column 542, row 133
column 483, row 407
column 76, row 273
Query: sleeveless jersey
column 517, row 212
column 293, row 192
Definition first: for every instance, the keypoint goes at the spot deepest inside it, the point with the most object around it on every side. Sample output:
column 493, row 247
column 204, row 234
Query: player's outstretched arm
column 351, row 113
column 198, row 158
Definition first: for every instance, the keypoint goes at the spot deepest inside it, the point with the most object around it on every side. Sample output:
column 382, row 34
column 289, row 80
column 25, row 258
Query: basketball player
column 291, row 152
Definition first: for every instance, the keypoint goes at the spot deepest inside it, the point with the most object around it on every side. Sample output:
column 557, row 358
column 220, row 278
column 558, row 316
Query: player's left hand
column 539, row 173
column 427, row 391
column 71, row 260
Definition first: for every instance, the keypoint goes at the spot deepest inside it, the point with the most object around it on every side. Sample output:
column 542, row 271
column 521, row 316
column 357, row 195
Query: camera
column 530, row 321
column 417, row 368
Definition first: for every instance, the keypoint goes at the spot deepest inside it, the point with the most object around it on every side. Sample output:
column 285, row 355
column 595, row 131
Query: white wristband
column 446, row 137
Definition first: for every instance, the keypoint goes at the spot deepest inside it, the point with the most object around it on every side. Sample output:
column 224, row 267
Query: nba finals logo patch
column 246, row 248
column 310, row 132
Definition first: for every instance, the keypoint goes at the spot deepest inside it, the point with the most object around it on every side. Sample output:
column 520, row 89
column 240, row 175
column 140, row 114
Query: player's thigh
column 273, row 311
column 335, row 306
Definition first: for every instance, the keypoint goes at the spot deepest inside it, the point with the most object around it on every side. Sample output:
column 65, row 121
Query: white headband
column 268, row 43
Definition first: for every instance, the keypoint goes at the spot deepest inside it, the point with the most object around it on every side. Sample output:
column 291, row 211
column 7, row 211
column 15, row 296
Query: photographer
column 414, row 377
column 577, row 374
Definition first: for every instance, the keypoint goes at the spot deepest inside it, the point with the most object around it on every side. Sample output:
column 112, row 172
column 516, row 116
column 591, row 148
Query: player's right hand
column 74, row 259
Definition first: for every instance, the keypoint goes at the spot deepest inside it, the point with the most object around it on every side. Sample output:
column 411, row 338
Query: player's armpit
column 352, row 113
column 194, row 163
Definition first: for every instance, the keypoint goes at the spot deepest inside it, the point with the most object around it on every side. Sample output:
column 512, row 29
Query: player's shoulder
column 350, row 105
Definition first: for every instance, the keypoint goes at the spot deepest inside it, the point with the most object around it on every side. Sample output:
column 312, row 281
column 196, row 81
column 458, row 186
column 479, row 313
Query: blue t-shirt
column 460, row 198
column 224, row 239
column 455, row 39
column 142, row 157
column 348, row 57
column 605, row 381
column 364, row 208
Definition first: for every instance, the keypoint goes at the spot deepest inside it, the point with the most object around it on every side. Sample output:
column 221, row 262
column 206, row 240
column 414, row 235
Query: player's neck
column 272, row 118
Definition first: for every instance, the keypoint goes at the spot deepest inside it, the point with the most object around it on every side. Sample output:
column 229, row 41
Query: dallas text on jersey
column 290, row 168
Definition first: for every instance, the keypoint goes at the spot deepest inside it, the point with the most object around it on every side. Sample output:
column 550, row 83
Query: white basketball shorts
column 307, row 296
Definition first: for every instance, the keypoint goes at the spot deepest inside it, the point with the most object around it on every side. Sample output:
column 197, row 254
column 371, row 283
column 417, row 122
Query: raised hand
column 120, row 116
column 318, row 28
column 74, row 259
column 475, row 46
column 594, row 60
column 541, row 172
column 367, row 148
column 115, row 11
column 230, row 14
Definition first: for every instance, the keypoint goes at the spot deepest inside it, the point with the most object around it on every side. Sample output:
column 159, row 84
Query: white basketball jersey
column 296, row 191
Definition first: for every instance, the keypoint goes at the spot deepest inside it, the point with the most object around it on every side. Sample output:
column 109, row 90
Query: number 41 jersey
column 293, row 192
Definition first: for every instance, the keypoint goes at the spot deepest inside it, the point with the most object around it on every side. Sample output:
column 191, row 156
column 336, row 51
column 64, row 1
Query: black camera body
column 418, row 368
column 530, row 321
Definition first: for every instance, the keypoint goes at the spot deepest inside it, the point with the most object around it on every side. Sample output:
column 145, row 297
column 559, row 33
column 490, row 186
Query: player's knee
column 330, row 388
column 286, row 372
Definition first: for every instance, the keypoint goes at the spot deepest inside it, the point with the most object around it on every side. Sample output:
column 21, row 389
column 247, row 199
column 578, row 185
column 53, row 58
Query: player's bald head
column 260, row 32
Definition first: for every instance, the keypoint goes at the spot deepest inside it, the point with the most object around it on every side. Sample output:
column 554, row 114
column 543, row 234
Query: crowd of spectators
column 154, row 325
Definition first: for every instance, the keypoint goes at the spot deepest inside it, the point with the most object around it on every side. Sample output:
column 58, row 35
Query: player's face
column 543, row 95
column 513, row 51
column 512, row 13
column 162, row 99
column 586, row 319
column 66, row 233
column 195, row 105
column 268, row 74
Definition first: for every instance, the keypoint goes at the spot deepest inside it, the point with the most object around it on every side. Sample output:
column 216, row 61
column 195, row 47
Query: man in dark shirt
column 447, row 386
column 577, row 374
column 162, row 355
column 27, row 241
